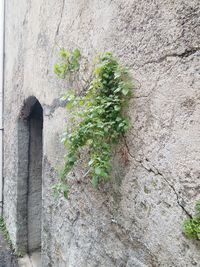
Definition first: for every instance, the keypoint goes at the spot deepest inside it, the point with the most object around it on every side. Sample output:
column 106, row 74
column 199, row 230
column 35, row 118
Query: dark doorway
column 29, row 189
column 34, row 194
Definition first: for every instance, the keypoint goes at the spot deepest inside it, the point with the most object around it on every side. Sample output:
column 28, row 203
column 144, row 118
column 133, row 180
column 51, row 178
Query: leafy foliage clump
column 101, row 116
column 191, row 227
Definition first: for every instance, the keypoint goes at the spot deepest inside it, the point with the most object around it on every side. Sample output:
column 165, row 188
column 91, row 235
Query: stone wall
column 136, row 219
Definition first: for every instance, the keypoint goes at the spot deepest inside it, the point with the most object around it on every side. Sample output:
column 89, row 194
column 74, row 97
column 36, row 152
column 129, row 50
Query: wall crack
column 50, row 109
column 61, row 16
column 156, row 172
column 185, row 54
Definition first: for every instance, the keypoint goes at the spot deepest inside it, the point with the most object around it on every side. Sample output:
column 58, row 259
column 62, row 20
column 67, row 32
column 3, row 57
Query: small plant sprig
column 102, row 116
column 5, row 232
column 69, row 63
column 6, row 236
column 191, row 227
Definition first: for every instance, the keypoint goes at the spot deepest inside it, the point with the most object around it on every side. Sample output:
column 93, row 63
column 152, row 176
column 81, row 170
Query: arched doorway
column 29, row 185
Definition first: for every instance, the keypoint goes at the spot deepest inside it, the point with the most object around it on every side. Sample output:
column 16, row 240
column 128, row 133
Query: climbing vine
column 191, row 227
column 100, row 111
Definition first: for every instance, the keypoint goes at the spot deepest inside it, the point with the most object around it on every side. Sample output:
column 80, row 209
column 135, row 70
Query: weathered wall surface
column 6, row 255
column 136, row 219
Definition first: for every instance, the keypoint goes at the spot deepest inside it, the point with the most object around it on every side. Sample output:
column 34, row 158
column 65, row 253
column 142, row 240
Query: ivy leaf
column 63, row 53
column 65, row 194
column 117, row 108
column 81, row 102
column 118, row 119
column 69, row 105
column 125, row 91
column 76, row 53
column 56, row 192
column 118, row 89
column 98, row 171
column 197, row 210
column 117, row 74
column 89, row 142
column 91, row 162
column 71, row 97
column 95, row 181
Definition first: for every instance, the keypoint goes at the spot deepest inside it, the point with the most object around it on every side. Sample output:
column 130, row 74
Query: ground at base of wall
column 32, row 260
column 7, row 259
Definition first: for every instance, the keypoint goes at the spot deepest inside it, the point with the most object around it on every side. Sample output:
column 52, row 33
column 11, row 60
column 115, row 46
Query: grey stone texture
column 7, row 258
column 135, row 220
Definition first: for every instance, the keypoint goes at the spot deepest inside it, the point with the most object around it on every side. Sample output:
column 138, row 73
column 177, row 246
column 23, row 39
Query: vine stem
column 86, row 173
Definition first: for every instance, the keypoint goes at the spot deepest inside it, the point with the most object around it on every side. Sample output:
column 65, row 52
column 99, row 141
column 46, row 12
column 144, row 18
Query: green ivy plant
column 191, row 227
column 100, row 111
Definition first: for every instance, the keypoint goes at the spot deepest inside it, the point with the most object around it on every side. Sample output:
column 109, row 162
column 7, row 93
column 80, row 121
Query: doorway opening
column 29, row 184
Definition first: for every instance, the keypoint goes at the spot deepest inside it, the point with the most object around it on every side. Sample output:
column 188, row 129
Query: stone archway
column 29, row 184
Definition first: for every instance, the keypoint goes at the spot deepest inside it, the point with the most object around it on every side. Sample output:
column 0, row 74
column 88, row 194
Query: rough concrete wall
column 7, row 259
column 136, row 219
